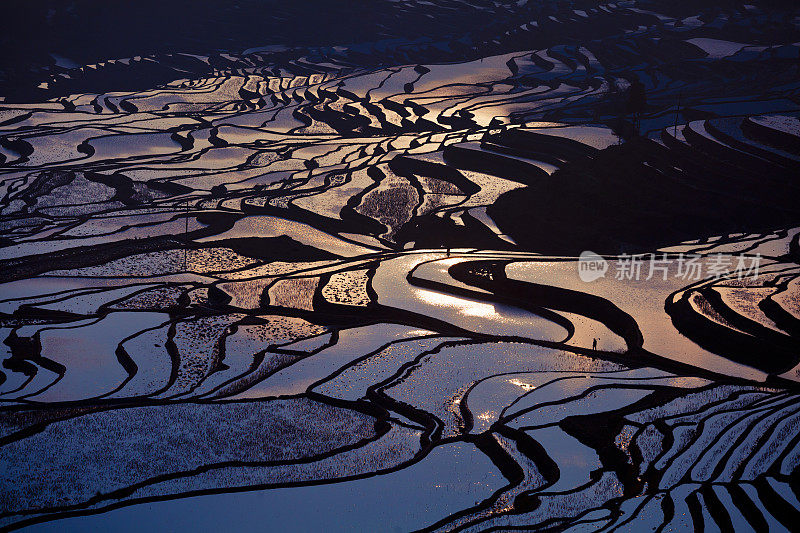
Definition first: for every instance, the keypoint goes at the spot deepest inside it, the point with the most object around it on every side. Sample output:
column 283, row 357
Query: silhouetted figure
column 594, row 344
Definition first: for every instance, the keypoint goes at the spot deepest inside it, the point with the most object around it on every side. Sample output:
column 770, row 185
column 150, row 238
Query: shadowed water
column 299, row 275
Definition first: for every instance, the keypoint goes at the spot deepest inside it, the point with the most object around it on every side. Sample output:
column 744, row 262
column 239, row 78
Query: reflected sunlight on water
column 462, row 305
column 521, row 384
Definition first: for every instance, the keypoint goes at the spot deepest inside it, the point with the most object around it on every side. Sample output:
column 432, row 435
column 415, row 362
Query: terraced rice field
column 304, row 287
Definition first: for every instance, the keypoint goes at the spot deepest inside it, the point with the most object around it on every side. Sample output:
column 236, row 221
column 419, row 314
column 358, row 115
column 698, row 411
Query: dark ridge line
column 174, row 357
column 716, row 509
column 113, row 306
column 762, row 439
column 531, row 449
column 324, row 224
column 753, row 148
column 697, row 429
column 92, row 255
column 27, row 351
column 744, row 322
column 771, row 136
column 635, row 451
column 363, row 358
column 377, row 394
column 269, row 373
column 773, row 502
column 154, row 499
column 668, row 508
column 30, row 375
column 492, row 164
column 594, row 307
column 696, row 506
column 127, row 491
column 501, row 459
column 31, row 310
column 585, row 428
column 321, row 398
column 214, row 394
column 542, row 312
column 219, row 345
column 515, row 287
column 698, row 148
column 466, row 414
column 745, row 415
column 670, row 422
column 495, row 453
column 775, row 312
column 669, row 453
column 133, row 370
column 778, row 397
column 634, row 515
column 705, row 407
column 576, row 374
column 281, row 347
column 722, row 340
column 421, row 197
column 752, row 514
column 366, row 408
column 128, row 364
column 775, row 467
column 594, row 478
column 379, row 312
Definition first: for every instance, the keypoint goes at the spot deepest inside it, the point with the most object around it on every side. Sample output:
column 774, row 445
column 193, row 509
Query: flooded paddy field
column 457, row 266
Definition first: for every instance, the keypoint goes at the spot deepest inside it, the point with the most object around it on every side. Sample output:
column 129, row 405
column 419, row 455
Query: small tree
column 636, row 103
